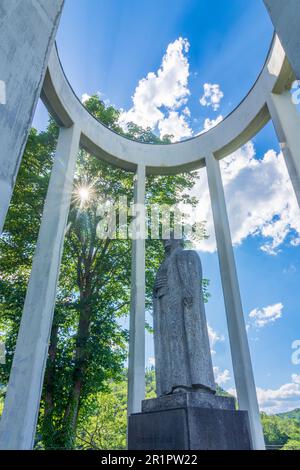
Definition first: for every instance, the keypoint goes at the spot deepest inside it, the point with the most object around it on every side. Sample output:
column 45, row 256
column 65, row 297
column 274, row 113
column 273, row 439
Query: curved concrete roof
column 234, row 131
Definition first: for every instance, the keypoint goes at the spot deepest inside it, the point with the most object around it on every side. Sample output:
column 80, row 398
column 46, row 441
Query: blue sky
column 108, row 47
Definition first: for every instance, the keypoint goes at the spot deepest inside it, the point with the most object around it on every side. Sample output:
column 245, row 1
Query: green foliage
column 294, row 414
column 221, row 392
column 104, row 426
column 1, row 399
column 280, row 431
column 291, row 445
column 273, row 432
column 106, row 421
column 109, row 116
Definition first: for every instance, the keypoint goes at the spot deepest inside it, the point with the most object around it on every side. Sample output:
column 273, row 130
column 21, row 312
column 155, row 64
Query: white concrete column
column 285, row 15
column 18, row 422
column 242, row 367
column 136, row 361
column 27, row 32
column 286, row 120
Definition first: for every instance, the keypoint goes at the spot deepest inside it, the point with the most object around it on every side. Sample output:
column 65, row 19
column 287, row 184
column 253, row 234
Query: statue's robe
column 182, row 351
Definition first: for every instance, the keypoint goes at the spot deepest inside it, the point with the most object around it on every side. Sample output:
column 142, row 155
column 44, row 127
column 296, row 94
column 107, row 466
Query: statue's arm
column 189, row 266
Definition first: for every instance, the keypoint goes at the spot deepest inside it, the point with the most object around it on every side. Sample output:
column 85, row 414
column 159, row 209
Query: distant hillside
column 295, row 414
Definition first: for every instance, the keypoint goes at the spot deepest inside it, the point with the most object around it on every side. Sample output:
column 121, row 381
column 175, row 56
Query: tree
column 292, row 444
column 88, row 345
column 106, row 423
column 274, row 433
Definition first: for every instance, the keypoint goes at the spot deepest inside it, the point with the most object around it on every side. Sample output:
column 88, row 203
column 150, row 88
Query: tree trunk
column 81, row 359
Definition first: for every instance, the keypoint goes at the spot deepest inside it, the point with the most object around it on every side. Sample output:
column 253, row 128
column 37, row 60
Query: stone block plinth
column 189, row 422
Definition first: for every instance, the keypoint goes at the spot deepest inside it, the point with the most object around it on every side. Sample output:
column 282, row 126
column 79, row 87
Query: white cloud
column 212, row 96
column 296, row 378
column 263, row 316
column 167, row 88
column 221, row 377
column 260, row 200
column 214, row 338
column 187, row 111
column 210, row 123
column 174, row 125
column 85, row 97
column 285, row 398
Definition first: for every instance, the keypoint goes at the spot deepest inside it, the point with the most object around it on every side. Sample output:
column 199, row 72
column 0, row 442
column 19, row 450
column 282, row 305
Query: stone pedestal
column 189, row 421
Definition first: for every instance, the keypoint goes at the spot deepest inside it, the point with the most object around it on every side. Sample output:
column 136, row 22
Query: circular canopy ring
column 247, row 119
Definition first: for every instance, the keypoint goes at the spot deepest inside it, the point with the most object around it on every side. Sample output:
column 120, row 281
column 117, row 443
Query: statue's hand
column 159, row 283
column 188, row 299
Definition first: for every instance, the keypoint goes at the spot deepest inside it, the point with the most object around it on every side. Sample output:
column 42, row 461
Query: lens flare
column 83, row 194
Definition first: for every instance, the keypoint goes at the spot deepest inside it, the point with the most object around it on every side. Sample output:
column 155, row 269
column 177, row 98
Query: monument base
column 190, row 421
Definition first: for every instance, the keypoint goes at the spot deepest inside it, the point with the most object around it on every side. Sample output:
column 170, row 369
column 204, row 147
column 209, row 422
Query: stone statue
column 187, row 413
column 182, row 353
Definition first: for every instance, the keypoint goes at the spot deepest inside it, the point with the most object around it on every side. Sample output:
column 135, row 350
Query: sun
column 83, row 194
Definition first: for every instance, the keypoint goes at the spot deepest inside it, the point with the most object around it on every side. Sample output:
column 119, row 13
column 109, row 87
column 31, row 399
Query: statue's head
column 172, row 243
